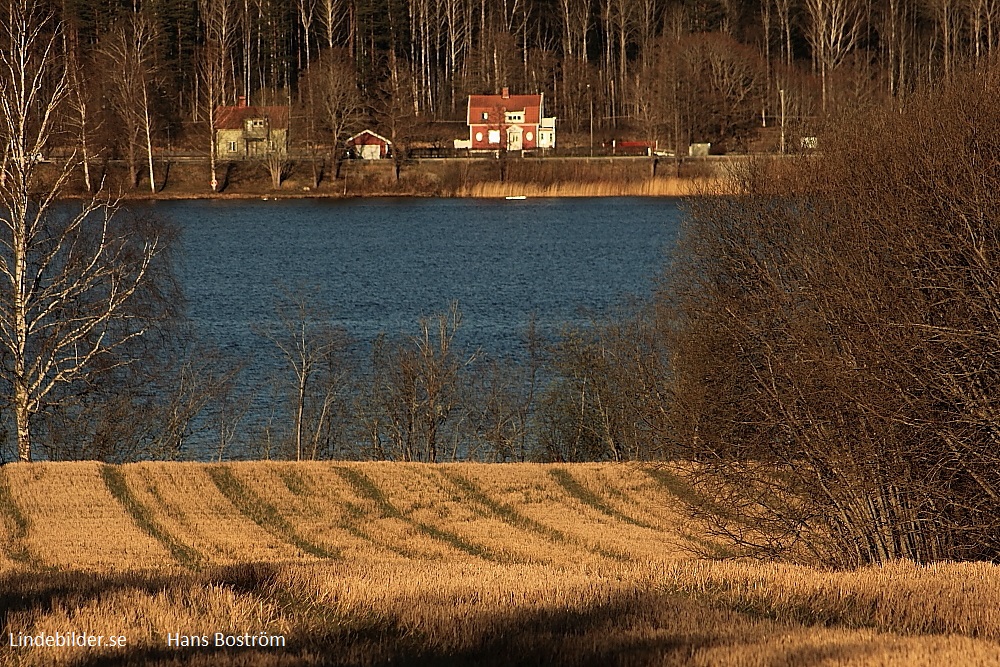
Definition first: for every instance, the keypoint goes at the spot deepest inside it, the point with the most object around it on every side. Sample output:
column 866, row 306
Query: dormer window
column 515, row 116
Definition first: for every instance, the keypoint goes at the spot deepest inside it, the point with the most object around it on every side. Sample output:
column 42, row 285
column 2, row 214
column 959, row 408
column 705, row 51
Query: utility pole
column 781, row 94
column 590, row 94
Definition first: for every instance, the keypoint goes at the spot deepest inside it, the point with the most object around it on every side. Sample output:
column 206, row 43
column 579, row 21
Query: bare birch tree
column 785, row 9
column 70, row 279
column 834, row 29
column 312, row 348
column 331, row 15
column 81, row 104
column 128, row 52
column 219, row 21
column 307, row 14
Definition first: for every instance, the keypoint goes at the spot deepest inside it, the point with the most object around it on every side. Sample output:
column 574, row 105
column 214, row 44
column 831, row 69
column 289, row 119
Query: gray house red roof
column 234, row 118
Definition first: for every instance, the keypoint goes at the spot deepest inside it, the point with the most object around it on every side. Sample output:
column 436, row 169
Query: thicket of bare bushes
column 834, row 339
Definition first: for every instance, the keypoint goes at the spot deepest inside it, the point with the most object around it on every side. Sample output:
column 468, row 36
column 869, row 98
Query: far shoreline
column 479, row 179
column 666, row 188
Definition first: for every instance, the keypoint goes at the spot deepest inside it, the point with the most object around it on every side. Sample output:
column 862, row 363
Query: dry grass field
column 466, row 564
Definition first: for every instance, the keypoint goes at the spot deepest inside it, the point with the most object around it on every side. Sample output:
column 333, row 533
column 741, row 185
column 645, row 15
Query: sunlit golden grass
column 372, row 563
column 70, row 510
column 665, row 186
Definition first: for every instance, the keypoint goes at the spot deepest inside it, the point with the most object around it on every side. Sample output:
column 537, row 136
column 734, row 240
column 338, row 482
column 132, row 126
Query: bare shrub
column 835, row 340
column 414, row 407
column 604, row 399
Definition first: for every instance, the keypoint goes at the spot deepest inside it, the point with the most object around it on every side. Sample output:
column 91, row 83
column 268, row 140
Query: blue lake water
column 378, row 265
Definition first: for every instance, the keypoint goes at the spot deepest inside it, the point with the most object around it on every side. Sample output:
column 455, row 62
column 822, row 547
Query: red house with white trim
column 509, row 122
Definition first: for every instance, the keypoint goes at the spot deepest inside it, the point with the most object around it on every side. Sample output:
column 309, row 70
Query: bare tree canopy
column 676, row 73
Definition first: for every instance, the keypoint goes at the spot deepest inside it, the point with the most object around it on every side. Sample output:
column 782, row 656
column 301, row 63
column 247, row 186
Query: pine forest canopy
column 676, row 71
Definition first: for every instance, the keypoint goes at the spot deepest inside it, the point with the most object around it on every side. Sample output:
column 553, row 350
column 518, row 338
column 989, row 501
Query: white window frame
column 494, row 136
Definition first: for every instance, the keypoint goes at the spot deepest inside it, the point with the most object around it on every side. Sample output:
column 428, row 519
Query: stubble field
column 405, row 564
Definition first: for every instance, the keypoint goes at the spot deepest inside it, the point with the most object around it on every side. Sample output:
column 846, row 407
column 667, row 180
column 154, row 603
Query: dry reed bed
column 666, row 186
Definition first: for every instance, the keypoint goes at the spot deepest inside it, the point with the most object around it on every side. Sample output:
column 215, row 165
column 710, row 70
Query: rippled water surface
column 379, row 264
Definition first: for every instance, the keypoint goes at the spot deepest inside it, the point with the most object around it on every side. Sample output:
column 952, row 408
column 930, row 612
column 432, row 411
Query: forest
column 149, row 74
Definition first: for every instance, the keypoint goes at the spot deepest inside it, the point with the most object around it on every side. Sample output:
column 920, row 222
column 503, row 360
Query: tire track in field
column 692, row 498
column 16, row 547
column 263, row 513
column 297, row 484
column 575, row 489
column 365, row 487
column 511, row 516
column 143, row 517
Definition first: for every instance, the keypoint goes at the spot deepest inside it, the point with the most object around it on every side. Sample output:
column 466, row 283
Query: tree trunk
column 300, row 410
column 22, row 398
column 149, row 139
column 22, row 415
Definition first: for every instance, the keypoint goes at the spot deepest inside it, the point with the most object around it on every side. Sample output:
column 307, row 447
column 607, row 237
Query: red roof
column 233, row 118
column 531, row 105
column 368, row 138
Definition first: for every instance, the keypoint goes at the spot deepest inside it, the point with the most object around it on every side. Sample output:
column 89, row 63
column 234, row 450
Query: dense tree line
column 671, row 70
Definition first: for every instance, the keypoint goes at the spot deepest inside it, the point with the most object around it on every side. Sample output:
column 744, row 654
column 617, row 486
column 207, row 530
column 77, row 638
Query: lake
column 378, row 265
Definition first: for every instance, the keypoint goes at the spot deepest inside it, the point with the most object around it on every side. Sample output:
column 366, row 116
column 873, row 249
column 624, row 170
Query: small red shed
column 368, row 145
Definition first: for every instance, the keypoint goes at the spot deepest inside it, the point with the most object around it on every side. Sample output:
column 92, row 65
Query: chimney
column 505, row 94
column 242, row 102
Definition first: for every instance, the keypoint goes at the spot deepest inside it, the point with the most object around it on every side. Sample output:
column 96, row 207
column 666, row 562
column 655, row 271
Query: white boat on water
column 517, row 197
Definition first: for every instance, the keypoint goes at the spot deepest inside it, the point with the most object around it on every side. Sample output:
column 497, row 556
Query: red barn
column 510, row 122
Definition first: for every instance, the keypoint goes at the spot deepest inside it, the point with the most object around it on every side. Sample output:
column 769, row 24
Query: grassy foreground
column 449, row 564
